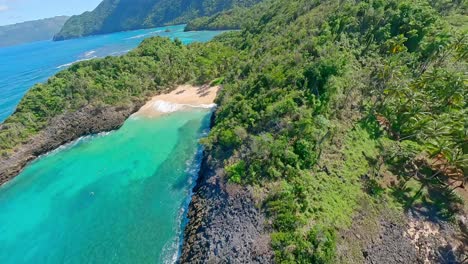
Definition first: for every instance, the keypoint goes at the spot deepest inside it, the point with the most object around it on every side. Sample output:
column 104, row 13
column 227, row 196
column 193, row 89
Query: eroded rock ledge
column 64, row 129
column 224, row 226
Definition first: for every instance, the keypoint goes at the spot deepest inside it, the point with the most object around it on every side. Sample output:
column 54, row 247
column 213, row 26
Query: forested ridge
column 119, row 15
column 234, row 18
column 328, row 108
column 43, row 29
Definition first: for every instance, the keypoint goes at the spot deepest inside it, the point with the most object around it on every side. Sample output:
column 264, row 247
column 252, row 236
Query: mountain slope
column 331, row 122
column 340, row 135
column 119, row 15
column 30, row 31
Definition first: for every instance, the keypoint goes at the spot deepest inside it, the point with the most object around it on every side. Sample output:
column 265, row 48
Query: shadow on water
column 182, row 160
column 183, row 163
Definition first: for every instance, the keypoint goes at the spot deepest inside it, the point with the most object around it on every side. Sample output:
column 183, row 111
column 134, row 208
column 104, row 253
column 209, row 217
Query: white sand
column 184, row 97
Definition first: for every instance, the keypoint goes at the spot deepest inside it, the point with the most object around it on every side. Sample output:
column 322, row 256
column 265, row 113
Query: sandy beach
column 185, row 96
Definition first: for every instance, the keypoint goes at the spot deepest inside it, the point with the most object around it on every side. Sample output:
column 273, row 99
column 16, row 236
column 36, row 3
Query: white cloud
column 3, row 8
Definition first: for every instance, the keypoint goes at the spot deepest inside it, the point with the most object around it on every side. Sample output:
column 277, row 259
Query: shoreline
column 220, row 220
column 91, row 120
column 63, row 130
column 183, row 97
column 224, row 223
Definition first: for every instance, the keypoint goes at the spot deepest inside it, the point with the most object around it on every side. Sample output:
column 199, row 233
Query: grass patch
column 309, row 210
column 427, row 198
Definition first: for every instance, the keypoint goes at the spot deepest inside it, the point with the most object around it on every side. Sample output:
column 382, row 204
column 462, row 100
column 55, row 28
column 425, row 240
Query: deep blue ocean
column 23, row 66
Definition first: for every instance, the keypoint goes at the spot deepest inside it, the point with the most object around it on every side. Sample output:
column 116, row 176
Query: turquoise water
column 117, row 197
column 110, row 198
column 23, row 66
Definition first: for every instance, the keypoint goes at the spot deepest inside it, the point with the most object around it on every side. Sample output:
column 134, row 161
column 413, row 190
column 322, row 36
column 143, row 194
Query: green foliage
column 156, row 64
column 230, row 19
column 298, row 80
column 112, row 16
column 323, row 241
column 309, row 71
column 235, row 172
column 317, row 246
column 235, row 18
column 217, row 81
column 43, row 29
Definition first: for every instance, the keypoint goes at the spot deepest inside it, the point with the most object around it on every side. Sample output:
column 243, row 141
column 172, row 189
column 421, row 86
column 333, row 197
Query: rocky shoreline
column 64, row 129
column 225, row 225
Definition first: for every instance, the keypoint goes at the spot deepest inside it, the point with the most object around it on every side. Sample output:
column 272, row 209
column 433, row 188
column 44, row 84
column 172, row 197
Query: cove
column 117, row 197
column 24, row 65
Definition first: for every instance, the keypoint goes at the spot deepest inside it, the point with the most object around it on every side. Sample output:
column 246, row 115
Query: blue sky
column 14, row 11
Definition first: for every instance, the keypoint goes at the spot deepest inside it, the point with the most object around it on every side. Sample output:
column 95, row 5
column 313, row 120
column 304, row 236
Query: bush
column 236, row 172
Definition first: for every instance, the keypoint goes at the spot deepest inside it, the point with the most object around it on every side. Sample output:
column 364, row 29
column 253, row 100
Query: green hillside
column 30, row 31
column 328, row 108
column 120, row 15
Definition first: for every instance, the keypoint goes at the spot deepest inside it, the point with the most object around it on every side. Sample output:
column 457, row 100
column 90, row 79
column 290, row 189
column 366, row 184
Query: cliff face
column 63, row 129
column 225, row 225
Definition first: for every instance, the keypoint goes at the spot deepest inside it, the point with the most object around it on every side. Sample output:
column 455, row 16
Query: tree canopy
column 119, row 15
column 317, row 96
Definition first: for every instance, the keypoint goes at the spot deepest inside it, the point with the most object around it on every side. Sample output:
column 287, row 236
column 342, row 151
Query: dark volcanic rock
column 419, row 240
column 392, row 247
column 224, row 226
column 63, row 129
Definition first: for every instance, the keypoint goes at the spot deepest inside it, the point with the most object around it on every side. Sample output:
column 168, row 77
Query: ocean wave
column 73, row 143
column 120, row 52
column 168, row 107
column 144, row 35
column 71, row 63
column 172, row 250
column 89, row 53
column 137, row 36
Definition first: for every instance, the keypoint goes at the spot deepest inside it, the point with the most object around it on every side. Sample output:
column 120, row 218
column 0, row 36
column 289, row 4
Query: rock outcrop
column 225, row 226
column 63, row 129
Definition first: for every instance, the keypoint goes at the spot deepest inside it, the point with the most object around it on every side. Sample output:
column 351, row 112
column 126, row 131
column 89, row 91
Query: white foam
column 144, row 35
column 71, row 144
column 71, row 63
column 173, row 249
column 89, row 53
column 120, row 52
column 168, row 107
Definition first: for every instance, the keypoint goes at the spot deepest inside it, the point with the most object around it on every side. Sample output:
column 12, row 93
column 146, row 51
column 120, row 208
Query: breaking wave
column 168, row 107
column 144, row 35
column 71, row 63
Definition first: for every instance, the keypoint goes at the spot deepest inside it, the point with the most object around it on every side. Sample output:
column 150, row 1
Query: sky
column 15, row 11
